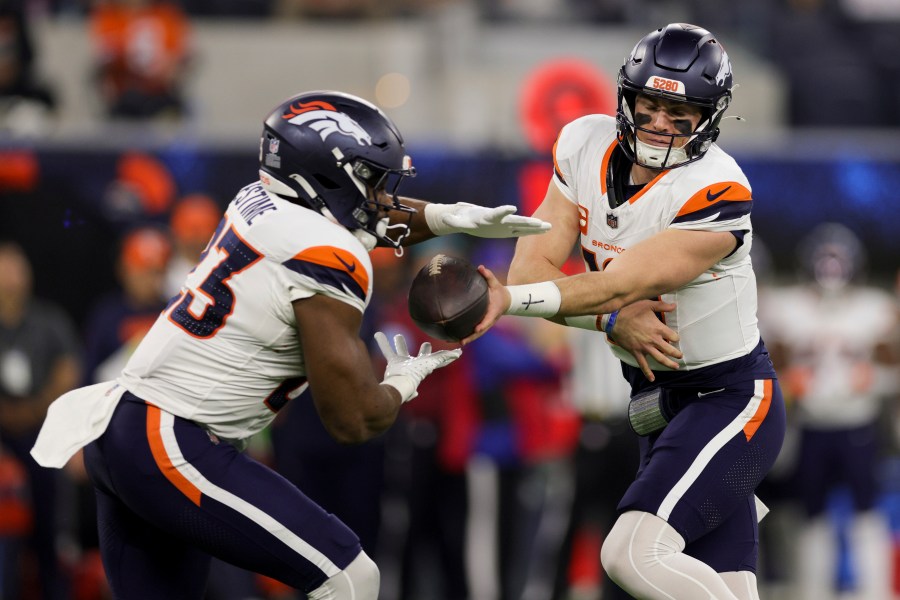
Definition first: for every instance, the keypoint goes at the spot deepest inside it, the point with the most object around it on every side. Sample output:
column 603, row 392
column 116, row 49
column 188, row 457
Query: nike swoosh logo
column 350, row 267
column 701, row 394
column 710, row 197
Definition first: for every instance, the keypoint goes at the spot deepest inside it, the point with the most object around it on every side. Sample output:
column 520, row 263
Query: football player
column 274, row 306
column 838, row 377
column 668, row 219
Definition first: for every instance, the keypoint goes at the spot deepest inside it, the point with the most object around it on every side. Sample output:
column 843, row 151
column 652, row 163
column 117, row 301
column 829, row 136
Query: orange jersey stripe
column 761, row 411
column 604, row 165
column 604, row 168
column 338, row 259
column 556, row 164
column 724, row 191
column 162, row 458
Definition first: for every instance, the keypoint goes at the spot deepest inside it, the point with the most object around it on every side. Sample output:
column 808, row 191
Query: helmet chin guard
column 658, row 157
column 340, row 156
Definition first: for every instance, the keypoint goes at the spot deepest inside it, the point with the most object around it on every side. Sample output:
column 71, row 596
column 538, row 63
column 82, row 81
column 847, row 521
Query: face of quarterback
column 663, row 116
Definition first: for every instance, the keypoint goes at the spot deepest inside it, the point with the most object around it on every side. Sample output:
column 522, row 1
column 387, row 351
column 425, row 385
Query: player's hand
column 498, row 303
column 405, row 372
column 480, row 221
column 639, row 330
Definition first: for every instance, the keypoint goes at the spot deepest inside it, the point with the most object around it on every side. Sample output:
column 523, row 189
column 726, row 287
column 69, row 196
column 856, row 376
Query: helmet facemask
column 675, row 154
column 378, row 186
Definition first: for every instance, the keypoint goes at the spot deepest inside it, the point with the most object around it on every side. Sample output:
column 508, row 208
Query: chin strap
column 398, row 249
column 369, row 240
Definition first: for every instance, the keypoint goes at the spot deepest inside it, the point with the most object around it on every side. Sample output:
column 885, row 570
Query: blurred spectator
column 38, row 362
column 778, row 530
column 834, row 329
column 142, row 53
column 120, row 319
column 427, row 453
column 525, row 426
column 142, row 191
column 192, row 223
column 605, row 462
column 25, row 104
column 115, row 325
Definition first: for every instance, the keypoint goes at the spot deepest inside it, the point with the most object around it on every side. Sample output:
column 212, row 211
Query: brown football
column 448, row 298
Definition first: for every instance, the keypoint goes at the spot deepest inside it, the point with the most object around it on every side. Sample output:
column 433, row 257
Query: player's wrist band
column 403, row 384
column 610, row 322
column 589, row 322
column 434, row 218
column 534, row 300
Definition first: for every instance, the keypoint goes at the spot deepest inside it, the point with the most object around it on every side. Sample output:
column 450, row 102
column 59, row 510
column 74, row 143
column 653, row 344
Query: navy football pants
column 169, row 496
column 701, row 471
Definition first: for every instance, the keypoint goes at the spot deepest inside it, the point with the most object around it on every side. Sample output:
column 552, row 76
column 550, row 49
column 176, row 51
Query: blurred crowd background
column 126, row 126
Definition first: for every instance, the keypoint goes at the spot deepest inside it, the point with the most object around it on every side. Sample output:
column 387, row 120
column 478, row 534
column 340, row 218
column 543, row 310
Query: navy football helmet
column 832, row 256
column 338, row 155
column 682, row 63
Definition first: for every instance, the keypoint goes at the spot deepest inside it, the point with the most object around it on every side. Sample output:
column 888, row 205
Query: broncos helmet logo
column 326, row 120
column 724, row 69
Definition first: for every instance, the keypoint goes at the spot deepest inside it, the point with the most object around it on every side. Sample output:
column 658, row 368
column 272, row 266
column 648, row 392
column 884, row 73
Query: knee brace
column 360, row 580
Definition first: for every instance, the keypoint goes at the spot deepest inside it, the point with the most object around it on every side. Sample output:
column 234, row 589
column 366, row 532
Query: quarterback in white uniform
column 274, row 305
column 663, row 219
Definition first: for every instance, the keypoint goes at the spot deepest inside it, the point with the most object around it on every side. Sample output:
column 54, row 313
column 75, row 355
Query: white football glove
column 404, row 372
column 480, row 221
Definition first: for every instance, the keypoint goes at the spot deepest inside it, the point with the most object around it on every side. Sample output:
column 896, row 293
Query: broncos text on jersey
column 716, row 313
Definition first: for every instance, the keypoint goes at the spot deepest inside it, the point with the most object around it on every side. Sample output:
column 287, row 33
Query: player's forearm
column 591, row 293
column 418, row 226
column 596, row 293
column 380, row 413
column 351, row 402
column 529, row 265
column 355, row 412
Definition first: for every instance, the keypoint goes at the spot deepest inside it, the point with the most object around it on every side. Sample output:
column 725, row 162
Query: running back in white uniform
column 231, row 332
column 274, row 283
column 716, row 313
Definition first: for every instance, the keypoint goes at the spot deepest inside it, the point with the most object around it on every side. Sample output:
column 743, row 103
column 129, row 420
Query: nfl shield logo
column 612, row 220
column 273, row 145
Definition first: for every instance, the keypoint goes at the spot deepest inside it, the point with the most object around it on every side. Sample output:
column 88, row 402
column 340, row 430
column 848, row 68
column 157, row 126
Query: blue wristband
column 611, row 322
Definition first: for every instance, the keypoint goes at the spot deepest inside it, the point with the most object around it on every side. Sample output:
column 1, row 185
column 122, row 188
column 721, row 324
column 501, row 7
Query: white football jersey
column 716, row 313
column 832, row 338
column 225, row 353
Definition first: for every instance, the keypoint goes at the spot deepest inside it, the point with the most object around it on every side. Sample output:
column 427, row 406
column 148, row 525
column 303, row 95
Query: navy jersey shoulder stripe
column 337, row 278
column 726, row 210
